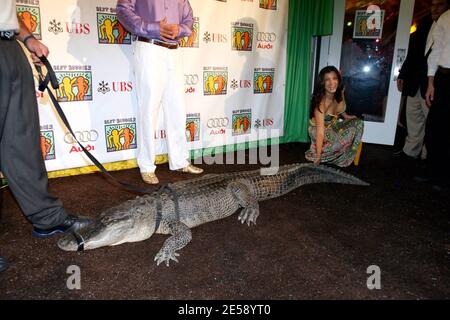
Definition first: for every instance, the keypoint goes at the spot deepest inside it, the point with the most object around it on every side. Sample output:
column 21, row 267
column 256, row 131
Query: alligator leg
column 181, row 236
column 247, row 199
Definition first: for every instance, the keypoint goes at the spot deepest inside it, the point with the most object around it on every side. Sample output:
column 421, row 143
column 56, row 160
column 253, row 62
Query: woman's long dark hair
column 319, row 89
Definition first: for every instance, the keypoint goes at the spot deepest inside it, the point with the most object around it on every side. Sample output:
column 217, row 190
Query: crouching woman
column 335, row 135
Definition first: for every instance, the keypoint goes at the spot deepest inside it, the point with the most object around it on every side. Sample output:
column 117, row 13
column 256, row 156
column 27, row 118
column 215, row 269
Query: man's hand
column 37, row 49
column 429, row 96
column 400, row 84
column 168, row 31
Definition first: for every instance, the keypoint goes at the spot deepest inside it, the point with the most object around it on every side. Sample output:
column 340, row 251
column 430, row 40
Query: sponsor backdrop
column 235, row 70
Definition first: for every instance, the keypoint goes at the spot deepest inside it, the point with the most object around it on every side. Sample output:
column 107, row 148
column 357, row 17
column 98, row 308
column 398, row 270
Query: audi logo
column 266, row 36
column 218, row 122
column 82, row 136
column 191, row 79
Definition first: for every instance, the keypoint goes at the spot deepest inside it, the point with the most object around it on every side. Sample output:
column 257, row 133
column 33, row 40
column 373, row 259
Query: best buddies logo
column 75, row 83
column 193, row 127
column 263, row 80
column 215, row 80
column 193, row 40
column 47, row 142
column 29, row 13
column 110, row 30
column 242, row 35
column 120, row 134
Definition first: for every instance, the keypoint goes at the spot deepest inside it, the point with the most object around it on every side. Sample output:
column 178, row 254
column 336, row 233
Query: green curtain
column 307, row 18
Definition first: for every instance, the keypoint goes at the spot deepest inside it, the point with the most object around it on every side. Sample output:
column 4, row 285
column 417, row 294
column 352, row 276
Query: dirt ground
column 316, row 242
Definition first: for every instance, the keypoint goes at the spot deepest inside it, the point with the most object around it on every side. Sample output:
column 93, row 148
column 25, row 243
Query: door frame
column 374, row 132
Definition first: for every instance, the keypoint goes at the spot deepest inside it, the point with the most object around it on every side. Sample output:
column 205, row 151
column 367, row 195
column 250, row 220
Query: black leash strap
column 51, row 78
column 80, row 241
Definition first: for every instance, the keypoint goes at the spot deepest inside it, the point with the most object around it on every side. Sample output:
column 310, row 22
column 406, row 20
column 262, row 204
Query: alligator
column 178, row 207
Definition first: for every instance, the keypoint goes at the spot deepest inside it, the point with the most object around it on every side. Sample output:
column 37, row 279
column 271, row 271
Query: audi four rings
column 191, row 79
column 266, row 36
column 218, row 122
column 82, row 136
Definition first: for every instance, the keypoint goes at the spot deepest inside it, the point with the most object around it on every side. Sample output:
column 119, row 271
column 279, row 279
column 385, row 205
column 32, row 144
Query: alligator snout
column 68, row 243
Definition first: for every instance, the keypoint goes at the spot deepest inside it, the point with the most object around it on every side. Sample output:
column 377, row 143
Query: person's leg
column 441, row 170
column 20, row 154
column 174, row 105
column 437, row 133
column 415, row 119
column 151, row 77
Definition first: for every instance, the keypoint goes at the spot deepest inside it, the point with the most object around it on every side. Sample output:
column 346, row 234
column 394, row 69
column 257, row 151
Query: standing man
column 437, row 136
column 159, row 25
column 21, row 158
column 413, row 81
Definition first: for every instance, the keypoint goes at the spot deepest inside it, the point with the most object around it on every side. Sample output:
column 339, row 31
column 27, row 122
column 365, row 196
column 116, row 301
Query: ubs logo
column 265, row 123
column 243, row 84
column 215, row 37
column 78, row 28
column 117, row 86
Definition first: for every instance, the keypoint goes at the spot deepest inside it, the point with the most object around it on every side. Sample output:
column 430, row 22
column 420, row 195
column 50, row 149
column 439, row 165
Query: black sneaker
column 3, row 264
column 71, row 224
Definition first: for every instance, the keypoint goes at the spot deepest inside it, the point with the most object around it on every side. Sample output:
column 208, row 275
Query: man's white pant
column 160, row 81
column 416, row 118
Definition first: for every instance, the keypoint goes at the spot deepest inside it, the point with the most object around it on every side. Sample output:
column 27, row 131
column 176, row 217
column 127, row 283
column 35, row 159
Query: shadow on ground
column 313, row 243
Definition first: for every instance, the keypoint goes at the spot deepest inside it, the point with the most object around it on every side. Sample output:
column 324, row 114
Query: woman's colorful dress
column 341, row 141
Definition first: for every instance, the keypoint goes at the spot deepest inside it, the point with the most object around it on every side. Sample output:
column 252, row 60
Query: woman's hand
column 317, row 161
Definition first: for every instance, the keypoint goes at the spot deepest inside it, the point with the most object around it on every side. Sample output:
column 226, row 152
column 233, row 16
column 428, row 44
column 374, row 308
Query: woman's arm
column 348, row 116
column 319, row 118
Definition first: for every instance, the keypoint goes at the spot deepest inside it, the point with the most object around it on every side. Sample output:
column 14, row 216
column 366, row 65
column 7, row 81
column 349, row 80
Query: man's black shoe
column 402, row 155
column 3, row 264
column 398, row 152
column 71, row 224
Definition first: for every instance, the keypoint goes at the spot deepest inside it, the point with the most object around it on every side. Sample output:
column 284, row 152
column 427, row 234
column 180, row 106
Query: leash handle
column 50, row 77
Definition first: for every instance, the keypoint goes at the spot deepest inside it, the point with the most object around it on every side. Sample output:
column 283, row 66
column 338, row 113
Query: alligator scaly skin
column 189, row 203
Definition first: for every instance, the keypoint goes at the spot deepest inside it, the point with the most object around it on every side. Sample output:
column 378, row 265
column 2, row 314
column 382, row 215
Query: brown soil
column 313, row 243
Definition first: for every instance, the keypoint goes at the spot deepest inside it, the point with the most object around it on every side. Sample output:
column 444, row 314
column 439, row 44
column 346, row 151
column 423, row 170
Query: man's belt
column 159, row 43
column 443, row 70
column 7, row 35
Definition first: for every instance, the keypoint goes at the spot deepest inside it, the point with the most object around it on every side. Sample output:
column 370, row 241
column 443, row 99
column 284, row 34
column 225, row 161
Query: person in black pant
column 413, row 81
column 437, row 136
column 21, row 160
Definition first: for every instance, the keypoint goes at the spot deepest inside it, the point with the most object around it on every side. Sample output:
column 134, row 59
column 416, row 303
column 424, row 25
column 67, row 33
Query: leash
column 50, row 78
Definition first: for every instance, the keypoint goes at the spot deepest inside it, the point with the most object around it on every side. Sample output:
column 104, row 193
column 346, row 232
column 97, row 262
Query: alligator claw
column 248, row 215
column 165, row 255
